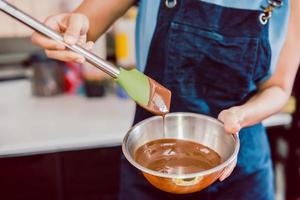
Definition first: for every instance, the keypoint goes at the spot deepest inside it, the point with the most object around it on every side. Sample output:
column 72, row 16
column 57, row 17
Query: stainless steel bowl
column 188, row 126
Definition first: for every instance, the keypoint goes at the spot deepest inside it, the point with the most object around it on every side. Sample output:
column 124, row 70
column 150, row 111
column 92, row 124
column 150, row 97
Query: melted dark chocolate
column 174, row 156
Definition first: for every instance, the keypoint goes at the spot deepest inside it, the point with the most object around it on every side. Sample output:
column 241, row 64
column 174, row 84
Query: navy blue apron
column 211, row 58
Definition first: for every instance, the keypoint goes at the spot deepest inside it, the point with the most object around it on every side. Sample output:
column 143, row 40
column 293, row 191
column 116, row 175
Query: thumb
column 77, row 26
column 232, row 127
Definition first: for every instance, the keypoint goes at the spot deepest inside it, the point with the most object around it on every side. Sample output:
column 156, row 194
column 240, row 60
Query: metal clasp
column 267, row 11
column 171, row 3
column 276, row 3
column 264, row 17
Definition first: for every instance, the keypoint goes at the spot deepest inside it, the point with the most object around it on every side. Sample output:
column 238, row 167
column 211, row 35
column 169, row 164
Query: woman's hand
column 92, row 18
column 232, row 124
column 74, row 28
column 232, row 119
column 272, row 94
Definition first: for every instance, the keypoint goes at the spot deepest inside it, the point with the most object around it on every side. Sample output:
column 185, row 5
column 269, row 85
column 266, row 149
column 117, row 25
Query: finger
column 77, row 26
column 89, row 45
column 82, row 40
column 232, row 127
column 231, row 123
column 46, row 43
column 228, row 170
column 65, row 55
column 221, row 116
column 63, row 25
column 226, row 173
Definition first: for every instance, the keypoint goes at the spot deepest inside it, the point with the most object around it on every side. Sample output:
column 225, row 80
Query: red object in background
column 72, row 77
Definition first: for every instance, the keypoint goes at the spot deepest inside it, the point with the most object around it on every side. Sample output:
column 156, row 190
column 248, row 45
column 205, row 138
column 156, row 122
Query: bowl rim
column 181, row 176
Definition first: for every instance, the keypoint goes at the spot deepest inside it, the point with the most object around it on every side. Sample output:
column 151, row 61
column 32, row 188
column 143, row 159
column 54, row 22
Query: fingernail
column 70, row 39
column 91, row 45
column 224, row 176
column 80, row 60
column 89, row 48
column 60, row 47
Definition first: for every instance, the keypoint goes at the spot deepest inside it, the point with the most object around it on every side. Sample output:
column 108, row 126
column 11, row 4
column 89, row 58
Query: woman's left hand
column 232, row 124
column 232, row 119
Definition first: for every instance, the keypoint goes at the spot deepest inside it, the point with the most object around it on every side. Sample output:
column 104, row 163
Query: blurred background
column 61, row 124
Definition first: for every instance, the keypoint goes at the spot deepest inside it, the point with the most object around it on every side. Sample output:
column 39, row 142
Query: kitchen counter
column 30, row 125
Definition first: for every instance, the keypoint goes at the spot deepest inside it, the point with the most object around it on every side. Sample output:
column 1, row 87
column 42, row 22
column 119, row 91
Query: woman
column 227, row 59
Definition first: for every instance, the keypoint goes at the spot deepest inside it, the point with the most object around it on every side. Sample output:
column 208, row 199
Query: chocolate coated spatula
column 142, row 89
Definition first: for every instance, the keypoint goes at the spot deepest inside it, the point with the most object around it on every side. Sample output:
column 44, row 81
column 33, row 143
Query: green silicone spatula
column 142, row 89
column 145, row 91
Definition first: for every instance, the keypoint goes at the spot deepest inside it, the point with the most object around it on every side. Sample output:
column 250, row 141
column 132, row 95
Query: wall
column 11, row 28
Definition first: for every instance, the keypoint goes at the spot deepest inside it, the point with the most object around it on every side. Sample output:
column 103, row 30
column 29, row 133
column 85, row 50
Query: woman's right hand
column 74, row 28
